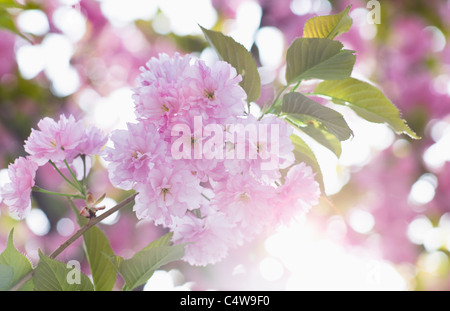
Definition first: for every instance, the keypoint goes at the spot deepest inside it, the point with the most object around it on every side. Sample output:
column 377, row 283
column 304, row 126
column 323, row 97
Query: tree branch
column 92, row 222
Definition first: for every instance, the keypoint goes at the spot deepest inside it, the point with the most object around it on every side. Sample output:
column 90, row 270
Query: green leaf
column 6, row 277
column 318, row 58
column 305, row 110
column 10, row 4
column 329, row 26
column 320, row 135
column 161, row 241
column 303, row 153
column 237, row 56
column 367, row 101
column 139, row 269
column 18, row 262
column 98, row 249
column 53, row 275
column 7, row 22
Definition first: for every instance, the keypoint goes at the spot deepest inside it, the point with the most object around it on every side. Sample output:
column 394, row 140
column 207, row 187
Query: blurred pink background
column 389, row 225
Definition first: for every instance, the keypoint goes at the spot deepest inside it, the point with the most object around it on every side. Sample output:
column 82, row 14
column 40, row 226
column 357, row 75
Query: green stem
column 81, row 188
column 279, row 94
column 75, row 196
column 83, row 157
column 274, row 103
column 206, row 197
column 296, row 86
column 63, row 176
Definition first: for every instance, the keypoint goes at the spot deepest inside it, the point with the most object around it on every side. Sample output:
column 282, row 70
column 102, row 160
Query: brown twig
column 92, row 222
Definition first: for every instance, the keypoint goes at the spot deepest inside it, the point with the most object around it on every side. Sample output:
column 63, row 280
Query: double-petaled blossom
column 136, row 152
column 161, row 89
column 93, row 142
column 209, row 236
column 17, row 193
column 259, row 147
column 172, row 87
column 297, row 195
column 246, row 202
column 55, row 140
column 199, row 144
column 62, row 142
column 170, row 190
column 64, row 139
column 215, row 90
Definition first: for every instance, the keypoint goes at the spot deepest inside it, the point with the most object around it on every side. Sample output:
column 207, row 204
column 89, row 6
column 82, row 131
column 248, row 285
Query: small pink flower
column 297, row 195
column 216, row 90
column 158, row 103
column 246, row 202
column 136, row 151
column 209, row 237
column 171, row 69
column 260, row 147
column 93, row 142
column 17, row 193
column 170, row 190
column 198, row 144
column 174, row 87
column 159, row 95
column 55, row 141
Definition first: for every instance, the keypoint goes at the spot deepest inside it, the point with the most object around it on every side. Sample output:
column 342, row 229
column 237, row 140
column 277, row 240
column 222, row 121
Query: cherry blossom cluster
column 202, row 165
column 64, row 143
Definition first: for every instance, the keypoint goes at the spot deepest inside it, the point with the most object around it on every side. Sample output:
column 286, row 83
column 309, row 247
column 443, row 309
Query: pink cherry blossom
column 171, row 69
column 209, row 237
column 136, row 151
column 93, row 142
column 174, row 87
column 199, row 144
column 274, row 146
column 159, row 94
column 170, row 190
column 246, row 202
column 55, row 141
column 297, row 195
column 17, row 193
column 260, row 147
column 216, row 90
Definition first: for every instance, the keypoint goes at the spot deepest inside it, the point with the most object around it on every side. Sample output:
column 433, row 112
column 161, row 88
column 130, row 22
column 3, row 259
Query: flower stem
column 75, row 196
column 83, row 157
column 63, row 176
column 206, row 197
column 296, row 86
column 275, row 102
column 74, row 177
